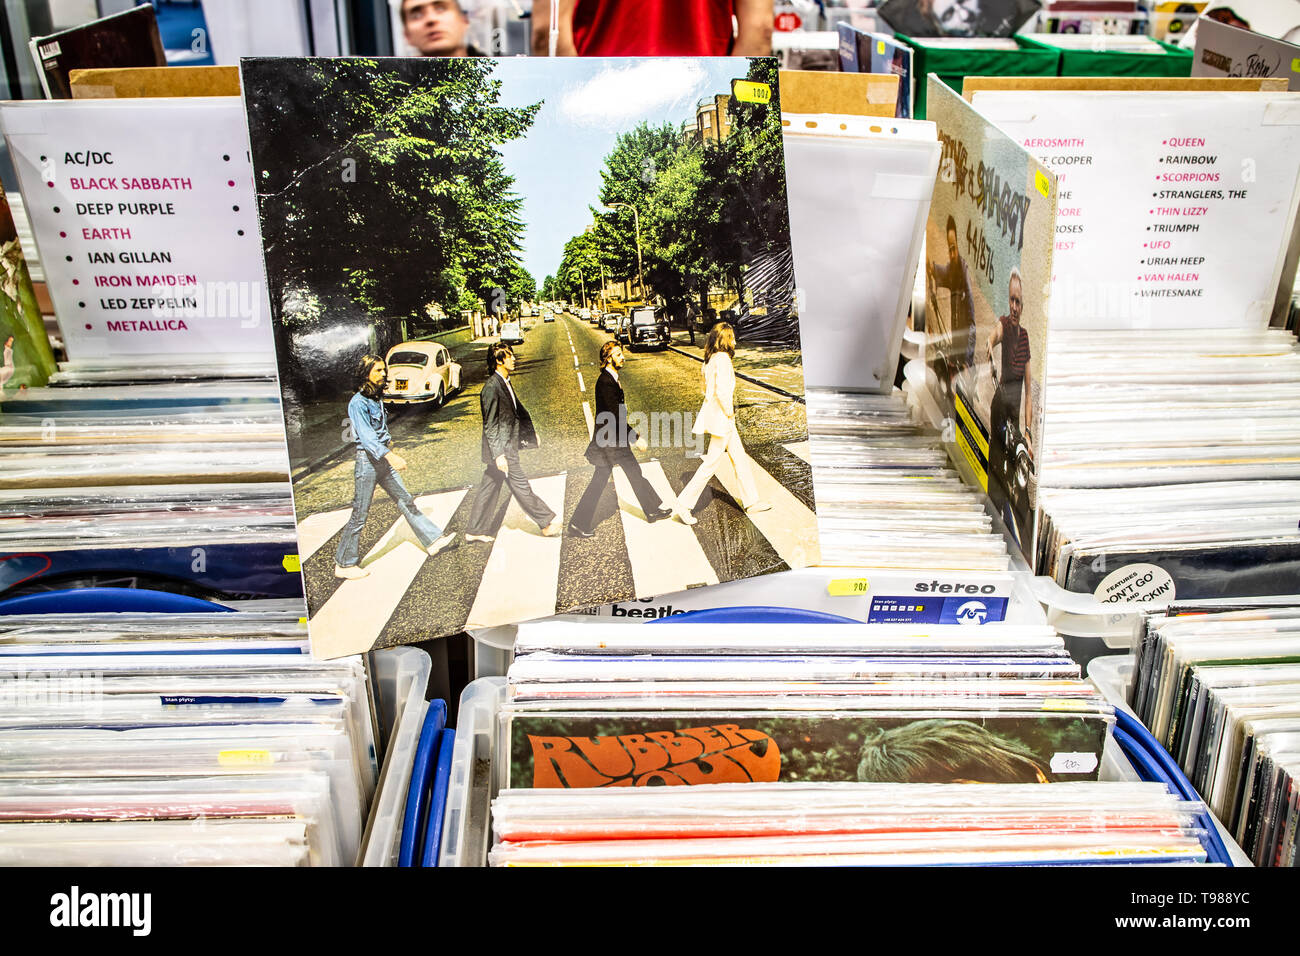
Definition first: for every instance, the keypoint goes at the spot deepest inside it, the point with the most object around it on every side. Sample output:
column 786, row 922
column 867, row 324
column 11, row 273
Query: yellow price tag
column 749, row 92
column 1042, row 182
column 291, row 563
column 880, row 47
column 302, row 623
column 847, row 587
column 244, row 758
column 1064, row 703
column 1295, row 65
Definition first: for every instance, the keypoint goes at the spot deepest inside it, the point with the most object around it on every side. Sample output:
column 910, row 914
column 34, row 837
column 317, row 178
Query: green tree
column 675, row 231
column 388, row 184
column 631, row 170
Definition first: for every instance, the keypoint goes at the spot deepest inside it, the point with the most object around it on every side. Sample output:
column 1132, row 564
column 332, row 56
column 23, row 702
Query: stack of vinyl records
column 1221, row 690
column 600, row 705
column 211, row 738
column 886, row 494
column 179, row 485
column 1174, row 449
column 848, row 824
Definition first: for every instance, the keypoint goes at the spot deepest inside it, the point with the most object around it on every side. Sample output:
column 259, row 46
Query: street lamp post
column 636, row 225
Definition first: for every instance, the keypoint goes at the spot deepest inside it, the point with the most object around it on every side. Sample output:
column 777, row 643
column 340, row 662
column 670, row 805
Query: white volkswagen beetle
column 420, row 372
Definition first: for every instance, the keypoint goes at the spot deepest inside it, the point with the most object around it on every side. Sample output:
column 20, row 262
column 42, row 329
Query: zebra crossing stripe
column 591, row 421
column 355, row 615
column 801, row 449
column 665, row 556
column 315, row 530
column 790, row 527
column 522, row 574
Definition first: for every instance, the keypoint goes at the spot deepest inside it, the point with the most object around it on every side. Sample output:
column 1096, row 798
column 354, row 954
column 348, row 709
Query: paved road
column 522, row 575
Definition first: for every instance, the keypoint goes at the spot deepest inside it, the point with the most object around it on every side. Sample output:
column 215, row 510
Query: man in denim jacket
column 378, row 464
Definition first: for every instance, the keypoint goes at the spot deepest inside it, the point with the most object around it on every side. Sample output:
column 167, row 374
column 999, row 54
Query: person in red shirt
column 655, row 27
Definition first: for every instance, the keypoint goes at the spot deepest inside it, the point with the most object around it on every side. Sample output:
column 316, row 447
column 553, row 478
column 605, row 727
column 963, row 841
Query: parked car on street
column 609, row 322
column 511, row 333
column 420, row 372
column 644, row 328
column 548, row 316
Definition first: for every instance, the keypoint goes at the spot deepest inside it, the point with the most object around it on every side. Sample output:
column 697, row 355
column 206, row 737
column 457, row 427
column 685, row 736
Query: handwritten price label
column 1043, row 184
column 291, row 563
column 1074, row 763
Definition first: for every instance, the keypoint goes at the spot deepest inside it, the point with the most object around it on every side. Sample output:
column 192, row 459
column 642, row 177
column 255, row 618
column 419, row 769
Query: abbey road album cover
column 536, row 334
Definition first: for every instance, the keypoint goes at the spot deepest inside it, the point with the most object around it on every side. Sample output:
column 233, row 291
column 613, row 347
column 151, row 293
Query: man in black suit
column 506, row 428
column 612, row 441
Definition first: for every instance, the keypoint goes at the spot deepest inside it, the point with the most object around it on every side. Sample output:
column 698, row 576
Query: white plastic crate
column 400, row 673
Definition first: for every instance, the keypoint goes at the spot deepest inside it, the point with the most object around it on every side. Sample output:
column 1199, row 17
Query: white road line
column 352, row 619
column 315, row 530
column 591, row 421
column 666, row 556
column 789, row 526
column 801, row 449
column 575, row 359
column 522, row 575
column 582, row 386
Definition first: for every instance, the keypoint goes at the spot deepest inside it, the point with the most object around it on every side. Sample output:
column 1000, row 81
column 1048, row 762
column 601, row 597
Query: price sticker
column 847, row 587
column 291, row 563
column 749, row 92
column 1042, row 182
column 244, row 758
column 1064, row 703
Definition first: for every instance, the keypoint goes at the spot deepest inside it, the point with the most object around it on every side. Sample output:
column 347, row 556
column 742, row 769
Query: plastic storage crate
column 1173, row 61
column 1113, row 676
column 400, row 674
column 953, row 66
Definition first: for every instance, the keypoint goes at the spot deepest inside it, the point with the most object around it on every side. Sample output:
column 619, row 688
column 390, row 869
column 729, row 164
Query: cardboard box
column 155, row 81
column 851, row 94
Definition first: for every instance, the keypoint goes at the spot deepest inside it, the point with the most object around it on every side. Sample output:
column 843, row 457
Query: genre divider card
column 1175, row 209
column 547, row 307
column 988, row 280
column 144, row 217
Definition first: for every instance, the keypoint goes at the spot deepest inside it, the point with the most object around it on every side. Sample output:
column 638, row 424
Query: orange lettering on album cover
column 646, row 756
column 659, row 778
column 679, row 748
column 731, row 734
column 761, row 759
column 709, row 736
column 606, row 754
column 726, row 753
column 555, row 765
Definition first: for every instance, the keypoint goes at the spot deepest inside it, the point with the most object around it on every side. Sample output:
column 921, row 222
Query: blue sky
column 588, row 102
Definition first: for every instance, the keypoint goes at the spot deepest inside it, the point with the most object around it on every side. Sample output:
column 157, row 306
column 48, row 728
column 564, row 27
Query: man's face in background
column 953, row 254
column 1015, row 303
column 435, row 27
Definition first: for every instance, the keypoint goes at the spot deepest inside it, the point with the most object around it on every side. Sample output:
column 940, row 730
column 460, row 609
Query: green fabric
column 1174, row 61
column 953, row 66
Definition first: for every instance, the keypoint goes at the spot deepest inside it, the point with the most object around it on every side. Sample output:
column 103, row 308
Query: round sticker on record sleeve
column 1135, row 584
